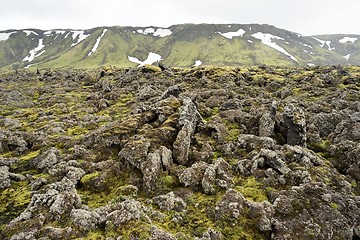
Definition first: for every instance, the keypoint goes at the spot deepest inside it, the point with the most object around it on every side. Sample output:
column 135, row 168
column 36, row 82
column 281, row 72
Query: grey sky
column 307, row 17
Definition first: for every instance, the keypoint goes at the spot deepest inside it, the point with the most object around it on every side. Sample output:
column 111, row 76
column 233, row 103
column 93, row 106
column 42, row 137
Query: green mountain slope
column 178, row 45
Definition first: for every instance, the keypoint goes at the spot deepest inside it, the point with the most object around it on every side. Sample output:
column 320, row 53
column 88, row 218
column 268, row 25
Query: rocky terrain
column 169, row 153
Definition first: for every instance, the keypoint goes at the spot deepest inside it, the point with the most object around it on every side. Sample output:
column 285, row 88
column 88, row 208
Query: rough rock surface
column 202, row 153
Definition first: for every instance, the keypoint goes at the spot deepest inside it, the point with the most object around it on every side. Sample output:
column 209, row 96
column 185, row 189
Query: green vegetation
column 13, row 201
column 251, row 189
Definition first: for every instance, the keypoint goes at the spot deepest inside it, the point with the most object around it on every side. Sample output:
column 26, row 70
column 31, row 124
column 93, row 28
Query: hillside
column 202, row 153
column 177, row 46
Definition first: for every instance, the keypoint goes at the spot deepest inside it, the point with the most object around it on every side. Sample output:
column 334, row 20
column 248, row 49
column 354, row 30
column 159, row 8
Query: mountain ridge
column 178, row 46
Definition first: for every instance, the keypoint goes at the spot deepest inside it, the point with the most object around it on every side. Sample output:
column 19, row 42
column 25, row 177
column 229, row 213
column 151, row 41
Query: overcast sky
column 307, row 17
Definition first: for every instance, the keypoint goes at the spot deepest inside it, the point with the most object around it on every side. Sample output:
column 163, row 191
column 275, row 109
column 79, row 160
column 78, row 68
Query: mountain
column 183, row 45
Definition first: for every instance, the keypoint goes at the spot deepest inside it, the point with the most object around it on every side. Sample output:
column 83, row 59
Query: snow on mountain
column 28, row 32
column 5, row 36
column 230, row 35
column 97, row 42
column 347, row 57
column 305, row 45
column 266, row 38
column 348, row 39
column 80, row 35
column 160, row 32
column 323, row 42
column 35, row 52
column 197, row 63
column 152, row 58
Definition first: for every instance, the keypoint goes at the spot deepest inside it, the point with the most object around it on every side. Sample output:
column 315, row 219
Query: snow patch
column 197, row 63
column 97, row 42
column 27, row 32
column 250, row 41
column 35, row 52
column 160, row 32
column 306, row 45
column 347, row 57
column 266, row 38
column 152, row 57
column 80, row 35
column 230, row 35
column 348, row 39
column 149, row 30
column 323, row 42
column 5, row 36
column 311, row 65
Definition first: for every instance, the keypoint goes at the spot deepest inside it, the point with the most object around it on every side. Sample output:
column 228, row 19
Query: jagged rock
column 294, row 119
column 218, row 174
column 47, row 159
column 170, row 202
column 327, row 122
column 166, row 157
column 151, row 169
column 55, row 233
column 10, row 141
column 37, row 183
column 128, row 210
column 234, row 204
column 135, row 151
column 230, row 104
column 267, row 122
column 146, row 93
column 208, row 181
column 5, row 181
column 355, row 117
column 211, row 234
column 9, row 123
column 58, row 199
column 103, row 103
column 24, row 236
column 8, row 161
column 310, row 211
column 217, row 129
column 271, row 158
column 157, row 234
column 84, row 219
column 189, row 117
column 106, row 86
column 193, row 175
column 302, row 155
column 251, row 142
column 171, row 91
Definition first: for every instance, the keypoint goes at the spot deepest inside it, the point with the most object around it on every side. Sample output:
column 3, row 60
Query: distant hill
column 183, row 45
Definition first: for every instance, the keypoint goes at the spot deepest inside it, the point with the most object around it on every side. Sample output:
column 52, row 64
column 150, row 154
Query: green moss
column 322, row 147
column 13, row 201
column 30, row 155
column 130, row 230
column 251, row 189
column 334, row 205
column 94, row 235
column 99, row 189
column 152, row 68
column 88, row 177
